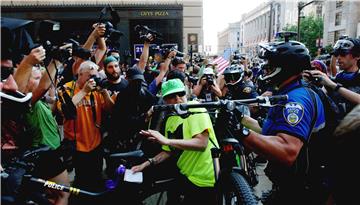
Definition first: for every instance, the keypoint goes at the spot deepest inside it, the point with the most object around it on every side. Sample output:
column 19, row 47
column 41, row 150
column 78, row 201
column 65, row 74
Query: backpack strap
column 313, row 121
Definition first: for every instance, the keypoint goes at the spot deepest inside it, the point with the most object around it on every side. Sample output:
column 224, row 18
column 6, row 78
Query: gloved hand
column 236, row 128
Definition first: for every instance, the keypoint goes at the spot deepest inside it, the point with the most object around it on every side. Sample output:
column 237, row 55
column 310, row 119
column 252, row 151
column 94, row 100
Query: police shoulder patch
column 247, row 90
column 293, row 113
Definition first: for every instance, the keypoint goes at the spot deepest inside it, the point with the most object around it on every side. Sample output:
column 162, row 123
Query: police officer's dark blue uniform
column 238, row 88
column 285, row 133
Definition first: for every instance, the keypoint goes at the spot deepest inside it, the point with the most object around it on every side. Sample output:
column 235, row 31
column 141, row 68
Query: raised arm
column 97, row 35
column 23, row 73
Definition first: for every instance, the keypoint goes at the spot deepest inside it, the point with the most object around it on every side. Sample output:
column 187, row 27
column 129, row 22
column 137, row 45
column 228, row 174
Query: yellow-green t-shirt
column 197, row 166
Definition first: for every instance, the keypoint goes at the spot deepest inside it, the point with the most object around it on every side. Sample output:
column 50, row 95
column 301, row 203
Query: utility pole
column 302, row 5
column 270, row 21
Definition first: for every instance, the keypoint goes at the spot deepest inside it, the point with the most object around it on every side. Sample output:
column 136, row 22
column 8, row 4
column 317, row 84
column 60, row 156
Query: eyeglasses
column 173, row 95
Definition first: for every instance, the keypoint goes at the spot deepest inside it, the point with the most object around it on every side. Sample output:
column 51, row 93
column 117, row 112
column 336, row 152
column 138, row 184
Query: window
column 336, row 35
column 338, row 18
column 339, row 4
column 318, row 10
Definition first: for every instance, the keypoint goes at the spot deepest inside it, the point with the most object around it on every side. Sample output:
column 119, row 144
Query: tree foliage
column 311, row 28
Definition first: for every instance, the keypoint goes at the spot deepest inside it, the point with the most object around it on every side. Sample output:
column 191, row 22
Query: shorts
column 49, row 165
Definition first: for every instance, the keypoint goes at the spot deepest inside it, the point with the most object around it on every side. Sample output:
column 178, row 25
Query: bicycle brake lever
column 266, row 102
column 180, row 111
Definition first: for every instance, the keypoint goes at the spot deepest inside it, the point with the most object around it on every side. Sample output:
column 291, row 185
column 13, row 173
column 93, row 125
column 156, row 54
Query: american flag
column 223, row 61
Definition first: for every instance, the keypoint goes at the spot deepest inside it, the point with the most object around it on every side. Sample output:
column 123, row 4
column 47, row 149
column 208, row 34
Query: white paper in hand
column 130, row 176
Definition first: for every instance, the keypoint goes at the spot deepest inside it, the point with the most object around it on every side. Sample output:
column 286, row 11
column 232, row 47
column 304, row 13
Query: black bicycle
column 20, row 187
column 233, row 165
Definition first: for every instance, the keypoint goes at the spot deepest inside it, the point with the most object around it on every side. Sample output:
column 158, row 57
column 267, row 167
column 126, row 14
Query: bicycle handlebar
column 60, row 187
column 227, row 104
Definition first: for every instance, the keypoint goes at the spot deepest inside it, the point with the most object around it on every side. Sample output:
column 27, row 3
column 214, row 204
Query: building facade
column 262, row 23
column 179, row 21
column 341, row 18
column 230, row 38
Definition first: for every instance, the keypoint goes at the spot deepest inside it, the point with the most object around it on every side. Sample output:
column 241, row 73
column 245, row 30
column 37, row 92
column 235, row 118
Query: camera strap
column 93, row 109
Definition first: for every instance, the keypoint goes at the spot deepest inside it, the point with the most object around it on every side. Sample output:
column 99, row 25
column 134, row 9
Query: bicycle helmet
column 233, row 74
column 347, row 46
column 13, row 103
column 284, row 60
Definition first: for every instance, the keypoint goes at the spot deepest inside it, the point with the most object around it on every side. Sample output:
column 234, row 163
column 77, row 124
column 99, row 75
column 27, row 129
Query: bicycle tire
column 234, row 190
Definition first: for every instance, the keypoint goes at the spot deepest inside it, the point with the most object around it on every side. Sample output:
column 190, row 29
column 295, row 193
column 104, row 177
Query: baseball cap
column 109, row 59
column 172, row 86
column 135, row 74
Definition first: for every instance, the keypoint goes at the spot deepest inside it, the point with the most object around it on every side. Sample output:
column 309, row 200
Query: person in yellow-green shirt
column 191, row 138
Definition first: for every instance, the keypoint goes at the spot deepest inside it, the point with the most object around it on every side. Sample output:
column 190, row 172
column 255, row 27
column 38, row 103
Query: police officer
column 236, row 87
column 285, row 133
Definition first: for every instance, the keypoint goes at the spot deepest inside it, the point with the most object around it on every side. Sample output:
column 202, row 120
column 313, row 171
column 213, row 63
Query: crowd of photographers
column 87, row 102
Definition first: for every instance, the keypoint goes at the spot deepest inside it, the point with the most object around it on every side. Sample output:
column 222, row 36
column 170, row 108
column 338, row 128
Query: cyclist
column 236, row 87
column 187, row 138
column 285, row 133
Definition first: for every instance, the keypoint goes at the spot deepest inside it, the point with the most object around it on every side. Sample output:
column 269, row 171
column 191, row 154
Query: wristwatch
column 245, row 132
column 152, row 161
column 338, row 86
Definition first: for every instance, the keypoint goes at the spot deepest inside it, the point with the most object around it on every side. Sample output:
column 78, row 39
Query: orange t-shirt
column 88, row 135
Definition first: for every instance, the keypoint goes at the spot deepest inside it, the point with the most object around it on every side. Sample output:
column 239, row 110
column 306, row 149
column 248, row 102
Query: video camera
column 60, row 53
column 198, row 58
column 192, row 79
column 111, row 33
column 237, row 58
column 145, row 33
column 166, row 49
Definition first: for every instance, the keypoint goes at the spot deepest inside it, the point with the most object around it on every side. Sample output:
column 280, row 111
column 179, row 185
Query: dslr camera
column 145, row 33
column 166, row 49
column 209, row 80
column 99, row 82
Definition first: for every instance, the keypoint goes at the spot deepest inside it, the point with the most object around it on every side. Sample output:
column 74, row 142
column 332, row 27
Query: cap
column 109, row 59
column 172, row 86
column 135, row 74
column 208, row 71
column 319, row 65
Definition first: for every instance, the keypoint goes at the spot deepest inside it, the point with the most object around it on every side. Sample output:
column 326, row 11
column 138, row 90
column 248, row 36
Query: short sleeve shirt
column 197, row 166
column 294, row 116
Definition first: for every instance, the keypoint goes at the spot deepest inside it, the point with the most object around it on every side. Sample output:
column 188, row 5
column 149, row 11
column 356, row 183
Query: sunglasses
column 173, row 95
column 232, row 77
column 341, row 52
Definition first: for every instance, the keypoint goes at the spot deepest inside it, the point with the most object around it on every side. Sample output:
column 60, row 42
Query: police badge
column 293, row 113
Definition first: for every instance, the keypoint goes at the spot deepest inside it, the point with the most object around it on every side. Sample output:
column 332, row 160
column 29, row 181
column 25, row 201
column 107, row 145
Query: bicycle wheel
column 234, row 190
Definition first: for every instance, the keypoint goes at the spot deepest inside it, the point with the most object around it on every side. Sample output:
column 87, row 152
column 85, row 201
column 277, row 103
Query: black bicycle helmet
column 233, row 74
column 13, row 103
column 347, row 45
column 284, row 59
